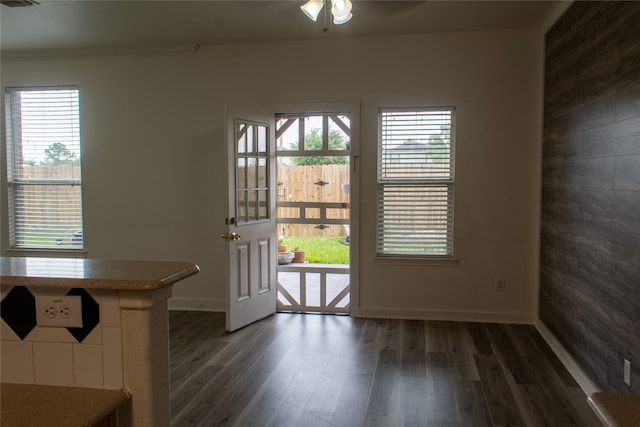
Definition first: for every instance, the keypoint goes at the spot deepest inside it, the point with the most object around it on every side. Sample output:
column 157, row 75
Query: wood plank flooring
column 323, row 370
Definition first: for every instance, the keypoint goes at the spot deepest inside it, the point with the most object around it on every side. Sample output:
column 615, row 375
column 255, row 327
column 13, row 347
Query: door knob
column 231, row 236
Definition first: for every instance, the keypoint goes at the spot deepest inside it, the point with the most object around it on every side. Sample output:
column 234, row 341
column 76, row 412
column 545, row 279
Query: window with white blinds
column 43, row 168
column 416, row 181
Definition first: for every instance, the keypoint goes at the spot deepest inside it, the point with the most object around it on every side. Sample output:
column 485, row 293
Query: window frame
column 384, row 158
column 74, row 240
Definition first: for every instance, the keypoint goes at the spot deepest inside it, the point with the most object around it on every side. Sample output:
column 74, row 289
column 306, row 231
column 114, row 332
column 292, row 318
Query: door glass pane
column 288, row 134
column 241, row 173
column 262, row 140
column 241, row 138
column 336, row 283
column 313, row 289
column 251, row 143
column 313, row 133
column 252, row 172
column 263, row 196
column 262, row 173
column 301, row 179
column 338, row 138
column 242, row 206
column 252, row 205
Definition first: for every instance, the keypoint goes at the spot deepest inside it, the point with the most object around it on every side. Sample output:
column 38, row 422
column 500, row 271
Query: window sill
column 432, row 261
column 53, row 253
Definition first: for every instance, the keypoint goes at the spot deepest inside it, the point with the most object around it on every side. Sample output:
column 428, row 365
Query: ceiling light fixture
column 19, row 3
column 340, row 9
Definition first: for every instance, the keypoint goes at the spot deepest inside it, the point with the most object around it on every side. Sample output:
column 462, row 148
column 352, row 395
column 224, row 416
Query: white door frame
column 354, row 181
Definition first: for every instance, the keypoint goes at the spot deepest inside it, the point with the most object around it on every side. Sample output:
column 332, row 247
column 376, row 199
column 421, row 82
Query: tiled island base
column 122, row 346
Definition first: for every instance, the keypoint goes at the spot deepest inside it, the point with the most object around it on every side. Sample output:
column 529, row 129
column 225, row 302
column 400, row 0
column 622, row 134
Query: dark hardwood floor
column 322, row 370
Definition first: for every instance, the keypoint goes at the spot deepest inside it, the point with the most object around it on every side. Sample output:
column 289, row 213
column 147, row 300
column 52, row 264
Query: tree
column 58, row 155
column 313, row 141
column 438, row 146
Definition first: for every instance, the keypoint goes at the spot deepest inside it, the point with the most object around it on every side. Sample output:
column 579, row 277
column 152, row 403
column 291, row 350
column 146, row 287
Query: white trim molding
column 447, row 315
column 173, row 49
column 567, row 360
column 197, row 304
column 421, row 261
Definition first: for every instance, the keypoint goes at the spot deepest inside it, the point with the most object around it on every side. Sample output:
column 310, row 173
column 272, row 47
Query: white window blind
column 415, row 181
column 43, row 168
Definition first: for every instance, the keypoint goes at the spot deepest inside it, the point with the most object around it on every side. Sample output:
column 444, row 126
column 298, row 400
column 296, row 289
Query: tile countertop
column 29, row 405
column 93, row 273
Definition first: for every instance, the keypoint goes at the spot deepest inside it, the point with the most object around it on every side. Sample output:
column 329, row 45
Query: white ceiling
column 74, row 24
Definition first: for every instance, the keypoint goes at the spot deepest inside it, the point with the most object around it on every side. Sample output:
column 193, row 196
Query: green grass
column 37, row 240
column 320, row 250
column 47, row 240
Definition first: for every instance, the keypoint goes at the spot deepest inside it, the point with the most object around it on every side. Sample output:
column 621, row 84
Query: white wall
column 154, row 168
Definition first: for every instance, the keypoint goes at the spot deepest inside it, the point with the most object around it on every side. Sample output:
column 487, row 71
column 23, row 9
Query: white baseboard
column 567, row 360
column 457, row 316
column 197, row 304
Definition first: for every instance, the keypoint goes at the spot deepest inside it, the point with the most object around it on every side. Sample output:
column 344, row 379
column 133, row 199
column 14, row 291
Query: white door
column 251, row 233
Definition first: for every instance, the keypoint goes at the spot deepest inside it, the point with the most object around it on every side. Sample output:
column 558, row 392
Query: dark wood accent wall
column 590, row 238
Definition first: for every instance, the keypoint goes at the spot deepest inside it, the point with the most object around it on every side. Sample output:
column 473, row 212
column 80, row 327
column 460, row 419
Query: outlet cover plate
column 627, row 372
column 64, row 311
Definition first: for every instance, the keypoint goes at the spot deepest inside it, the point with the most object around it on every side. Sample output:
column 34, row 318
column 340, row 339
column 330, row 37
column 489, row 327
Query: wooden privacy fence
column 313, row 200
column 49, row 205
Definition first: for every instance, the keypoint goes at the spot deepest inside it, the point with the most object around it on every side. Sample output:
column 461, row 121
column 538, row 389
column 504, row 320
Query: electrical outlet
column 50, row 311
column 59, row 311
column 627, row 372
column 500, row 284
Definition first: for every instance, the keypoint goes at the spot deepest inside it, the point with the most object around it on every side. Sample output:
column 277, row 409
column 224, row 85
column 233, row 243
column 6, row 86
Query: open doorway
column 313, row 211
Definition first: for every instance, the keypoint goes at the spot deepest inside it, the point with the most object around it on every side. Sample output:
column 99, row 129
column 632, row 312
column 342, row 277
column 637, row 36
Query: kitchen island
column 123, row 341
